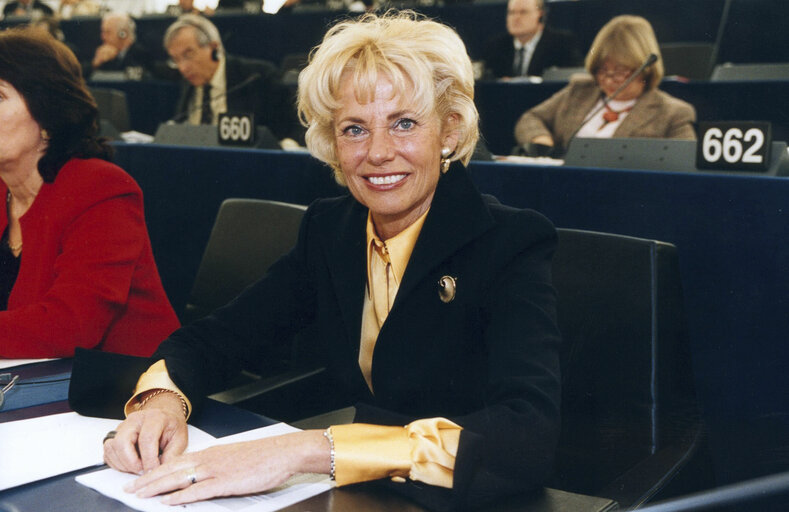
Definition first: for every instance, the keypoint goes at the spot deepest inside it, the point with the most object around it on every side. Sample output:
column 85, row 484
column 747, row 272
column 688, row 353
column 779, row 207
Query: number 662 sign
column 734, row 146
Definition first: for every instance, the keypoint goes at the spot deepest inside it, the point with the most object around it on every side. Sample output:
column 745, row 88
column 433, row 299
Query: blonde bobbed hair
column 426, row 62
column 626, row 40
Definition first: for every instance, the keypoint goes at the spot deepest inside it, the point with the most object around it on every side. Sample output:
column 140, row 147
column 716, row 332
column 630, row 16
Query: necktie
column 518, row 67
column 206, row 115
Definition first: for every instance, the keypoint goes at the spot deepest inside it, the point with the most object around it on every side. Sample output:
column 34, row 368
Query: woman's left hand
column 235, row 469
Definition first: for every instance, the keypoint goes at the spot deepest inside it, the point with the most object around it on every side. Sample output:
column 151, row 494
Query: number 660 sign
column 735, row 146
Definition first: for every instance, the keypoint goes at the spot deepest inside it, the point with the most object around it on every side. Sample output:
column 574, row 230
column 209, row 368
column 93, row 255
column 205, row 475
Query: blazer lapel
column 345, row 239
column 643, row 112
column 457, row 216
column 585, row 99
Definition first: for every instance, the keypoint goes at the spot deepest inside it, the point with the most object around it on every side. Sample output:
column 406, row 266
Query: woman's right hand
column 149, row 437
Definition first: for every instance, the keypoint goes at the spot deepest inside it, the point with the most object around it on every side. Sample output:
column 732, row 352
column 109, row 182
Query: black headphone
column 201, row 30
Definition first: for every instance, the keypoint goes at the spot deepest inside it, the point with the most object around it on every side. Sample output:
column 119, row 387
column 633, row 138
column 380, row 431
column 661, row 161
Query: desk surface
column 219, row 420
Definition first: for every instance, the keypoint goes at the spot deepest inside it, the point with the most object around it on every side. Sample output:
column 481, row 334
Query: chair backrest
column 688, row 60
column 626, row 370
column 248, row 236
column 750, row 72
column 557, row 74
column 113, row 107
column 206, row 135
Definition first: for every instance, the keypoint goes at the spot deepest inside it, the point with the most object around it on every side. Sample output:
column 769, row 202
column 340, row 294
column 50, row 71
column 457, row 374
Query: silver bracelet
column 327, row 435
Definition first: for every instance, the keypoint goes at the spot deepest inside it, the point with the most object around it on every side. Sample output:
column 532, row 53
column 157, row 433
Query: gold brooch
column 446, row 288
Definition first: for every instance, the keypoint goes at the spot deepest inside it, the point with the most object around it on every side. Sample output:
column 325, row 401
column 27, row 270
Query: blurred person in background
column 119, row 49
column 584, row 108
column 529, row 46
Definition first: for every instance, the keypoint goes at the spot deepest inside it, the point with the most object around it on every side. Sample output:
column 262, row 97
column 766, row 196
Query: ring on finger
column 110, row 435
column 191, row 475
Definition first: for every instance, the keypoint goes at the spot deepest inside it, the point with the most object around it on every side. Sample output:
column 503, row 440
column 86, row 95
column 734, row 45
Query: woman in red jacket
column 76, row 266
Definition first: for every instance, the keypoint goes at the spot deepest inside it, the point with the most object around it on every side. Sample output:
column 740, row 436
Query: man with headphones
column 216, row 82
column 119, row 49
column 529, row 47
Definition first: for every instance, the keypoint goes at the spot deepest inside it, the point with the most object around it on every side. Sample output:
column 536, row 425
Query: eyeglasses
column 187, row 56
column 7, row 381
column 617, row 74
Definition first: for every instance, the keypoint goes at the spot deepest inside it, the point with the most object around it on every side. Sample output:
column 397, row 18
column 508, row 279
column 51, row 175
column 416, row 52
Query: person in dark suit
column 119, row 49
column 638, row 110
column 433, row 304
column 231, row 84
column 26, row 8
column 529, row 47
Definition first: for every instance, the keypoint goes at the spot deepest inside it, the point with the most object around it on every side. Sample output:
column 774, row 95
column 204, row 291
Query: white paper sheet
column 38, row 448
column 8, row 363
column 110, row 483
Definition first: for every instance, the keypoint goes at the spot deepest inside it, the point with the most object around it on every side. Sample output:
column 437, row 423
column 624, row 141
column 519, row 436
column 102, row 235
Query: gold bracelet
column 159, row 392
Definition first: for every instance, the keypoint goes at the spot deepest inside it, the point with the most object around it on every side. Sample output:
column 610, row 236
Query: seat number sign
column 237, row 129
column 734, row 146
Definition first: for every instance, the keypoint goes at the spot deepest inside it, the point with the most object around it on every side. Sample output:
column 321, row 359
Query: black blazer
column 555, row 48
column 270, row 101
column 487, row 360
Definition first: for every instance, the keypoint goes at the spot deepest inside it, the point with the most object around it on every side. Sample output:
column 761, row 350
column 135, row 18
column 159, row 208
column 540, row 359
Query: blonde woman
column 433, row 303
column 639, row 110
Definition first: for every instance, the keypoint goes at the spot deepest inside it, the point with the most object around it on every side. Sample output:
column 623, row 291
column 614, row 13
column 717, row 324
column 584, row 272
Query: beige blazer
column 656, row 114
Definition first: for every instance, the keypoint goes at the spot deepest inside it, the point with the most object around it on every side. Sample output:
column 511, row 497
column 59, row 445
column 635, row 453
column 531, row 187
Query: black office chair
column 558, row 74
column 248, row 236
column 750, row 72
column 291, row 66
column 766, row 494
column 629, row 416
column 687, row 59
column 113, row 107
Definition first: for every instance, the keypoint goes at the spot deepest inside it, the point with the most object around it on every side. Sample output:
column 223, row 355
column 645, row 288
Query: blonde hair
column 628, row 41
column 425, row 61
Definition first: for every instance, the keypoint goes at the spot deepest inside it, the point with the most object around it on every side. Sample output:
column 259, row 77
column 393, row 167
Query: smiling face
column 20, row 134
column 390, row 155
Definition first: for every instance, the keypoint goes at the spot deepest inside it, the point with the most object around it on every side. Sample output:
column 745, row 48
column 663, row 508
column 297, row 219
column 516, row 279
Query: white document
column 300, row 487
column 39, row 448
column 9, row 363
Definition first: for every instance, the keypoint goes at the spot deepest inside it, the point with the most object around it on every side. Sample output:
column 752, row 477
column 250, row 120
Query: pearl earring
column 445, row 152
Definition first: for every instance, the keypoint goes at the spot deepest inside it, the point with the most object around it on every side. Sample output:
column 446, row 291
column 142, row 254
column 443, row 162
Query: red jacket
column 87, row 277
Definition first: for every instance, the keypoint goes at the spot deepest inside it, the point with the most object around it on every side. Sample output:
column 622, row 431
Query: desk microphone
column 608, row 99
column 184, row 114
